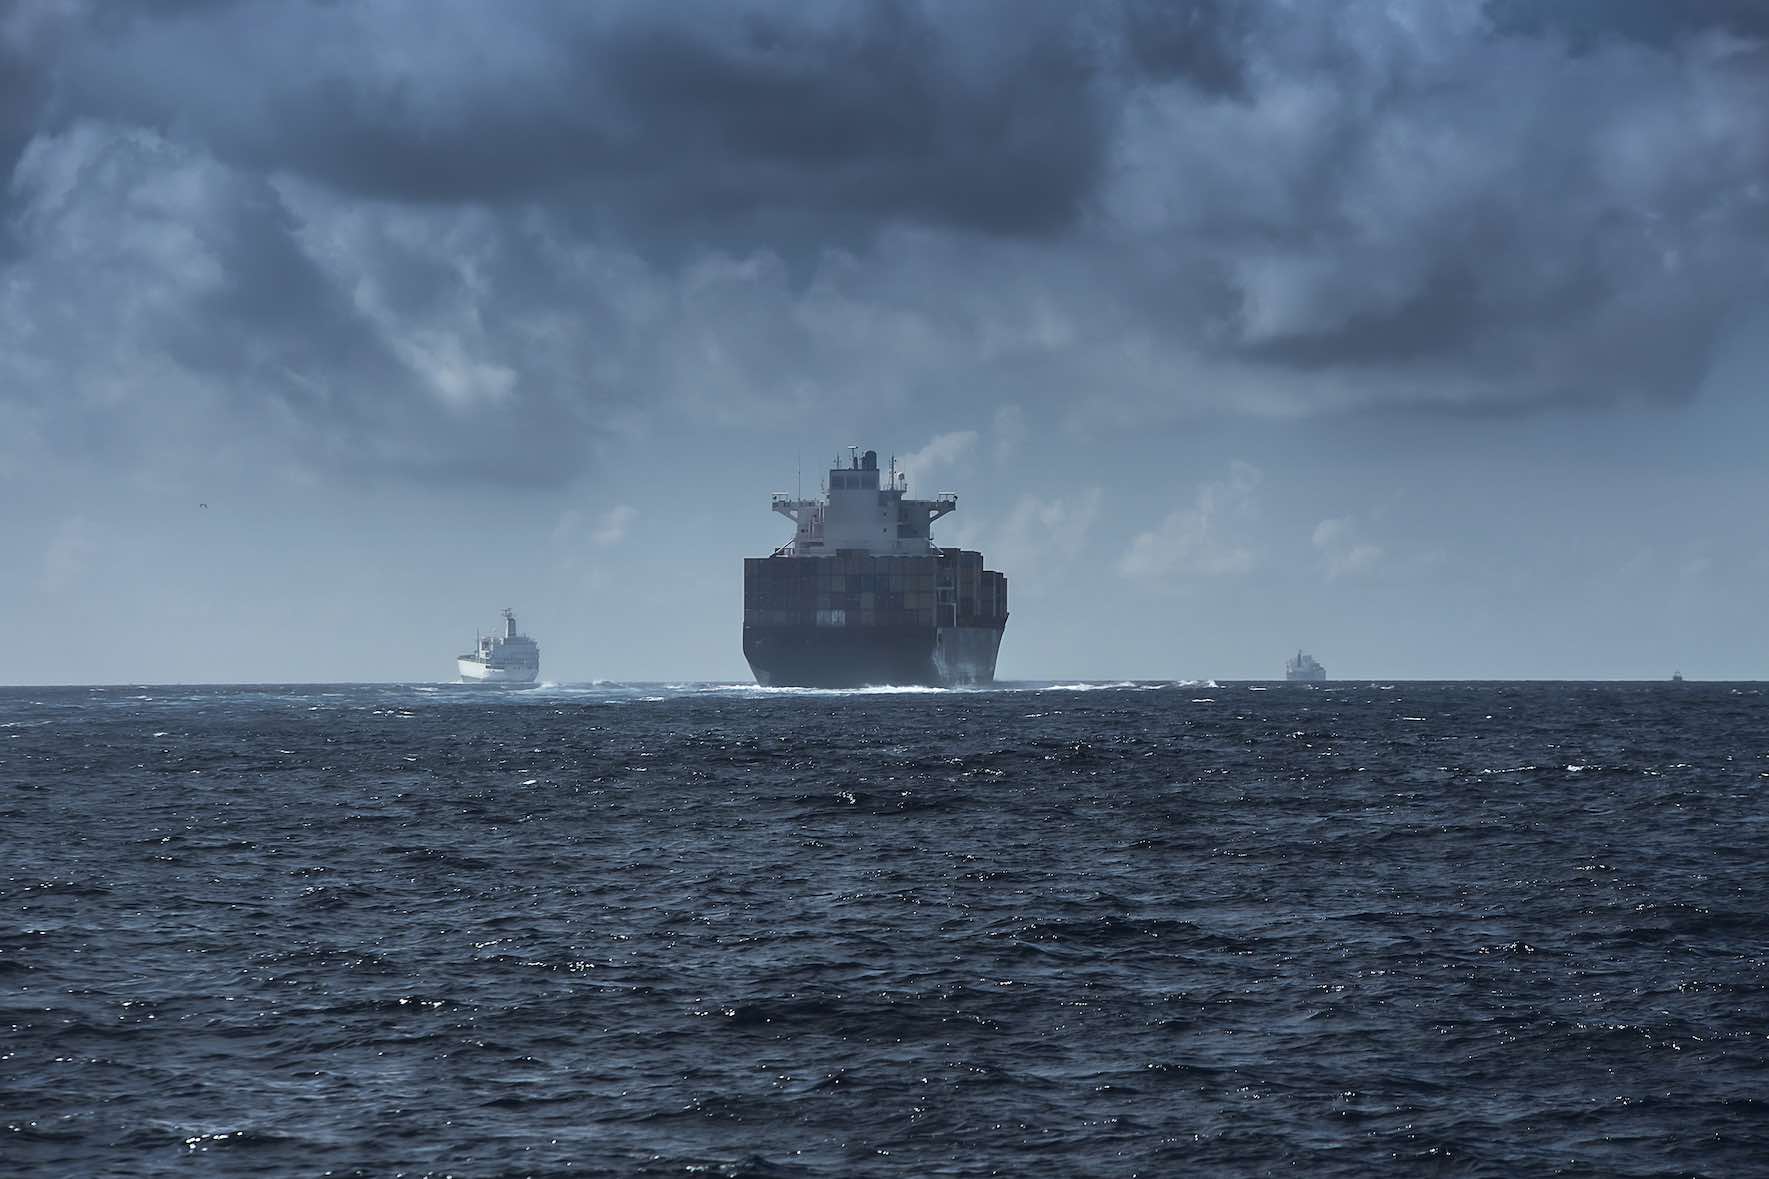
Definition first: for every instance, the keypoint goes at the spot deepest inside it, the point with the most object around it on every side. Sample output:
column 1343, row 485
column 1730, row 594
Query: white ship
column 1305, row 668
column 509, row 658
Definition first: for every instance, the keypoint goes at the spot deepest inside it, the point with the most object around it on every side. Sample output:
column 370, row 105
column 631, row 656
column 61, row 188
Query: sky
column 1427, row 335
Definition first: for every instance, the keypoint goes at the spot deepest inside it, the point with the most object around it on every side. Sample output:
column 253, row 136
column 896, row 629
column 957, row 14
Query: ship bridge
column 863, row 510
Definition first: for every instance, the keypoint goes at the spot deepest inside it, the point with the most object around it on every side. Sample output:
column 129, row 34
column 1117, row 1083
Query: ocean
column 1046, row 929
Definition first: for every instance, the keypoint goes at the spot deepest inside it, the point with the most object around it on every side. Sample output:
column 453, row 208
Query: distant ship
column 861, row 596
column 1304, row 668
column 1676, row 677
column 507, row 659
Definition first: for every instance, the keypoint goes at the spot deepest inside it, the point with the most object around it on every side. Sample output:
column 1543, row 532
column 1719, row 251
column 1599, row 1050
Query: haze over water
column 1097, row 930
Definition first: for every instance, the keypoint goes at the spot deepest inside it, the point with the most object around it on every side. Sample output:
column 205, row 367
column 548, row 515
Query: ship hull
column 474, row 672
column 856, row 657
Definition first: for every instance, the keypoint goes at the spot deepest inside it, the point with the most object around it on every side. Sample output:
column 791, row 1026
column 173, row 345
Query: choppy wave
column 1056, row 927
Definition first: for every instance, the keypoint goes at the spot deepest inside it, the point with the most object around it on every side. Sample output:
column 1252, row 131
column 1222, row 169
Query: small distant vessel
column 1676, row 677
column 510, row 658
column 1304, row 669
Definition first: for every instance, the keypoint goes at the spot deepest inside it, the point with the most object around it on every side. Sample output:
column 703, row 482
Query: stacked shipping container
column 947, row 588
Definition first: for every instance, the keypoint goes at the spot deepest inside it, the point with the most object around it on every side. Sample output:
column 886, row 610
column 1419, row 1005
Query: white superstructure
column 857, row 515
column 1304, row 668
column 509, row 658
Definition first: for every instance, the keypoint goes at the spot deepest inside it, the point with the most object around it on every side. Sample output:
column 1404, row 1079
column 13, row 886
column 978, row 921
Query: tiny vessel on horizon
column 510, row 658
column 1304, row 669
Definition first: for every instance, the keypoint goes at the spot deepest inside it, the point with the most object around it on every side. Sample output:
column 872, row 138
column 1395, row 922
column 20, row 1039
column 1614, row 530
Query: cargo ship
column 1305, row 668
column 861, row 596
column 510, row 658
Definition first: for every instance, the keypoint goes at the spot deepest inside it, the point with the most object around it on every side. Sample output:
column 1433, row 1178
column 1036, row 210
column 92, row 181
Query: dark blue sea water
column 1418, row 929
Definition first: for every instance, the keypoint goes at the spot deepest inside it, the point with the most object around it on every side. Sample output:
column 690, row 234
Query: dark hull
column 859, row 657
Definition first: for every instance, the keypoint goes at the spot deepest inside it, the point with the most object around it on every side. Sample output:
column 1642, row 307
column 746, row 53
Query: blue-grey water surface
column 1404, row 929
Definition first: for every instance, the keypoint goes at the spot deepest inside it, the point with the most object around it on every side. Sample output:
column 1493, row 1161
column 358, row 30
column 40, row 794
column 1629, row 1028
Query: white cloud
column 939, row 457
column 1009, row 431
column 611, row 526
column 1342, row 549
column 1200, row 540
column 604, row 529
column 1039, row 532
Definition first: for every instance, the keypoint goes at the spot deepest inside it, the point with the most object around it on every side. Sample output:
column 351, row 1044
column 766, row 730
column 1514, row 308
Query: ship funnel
column 869, row 461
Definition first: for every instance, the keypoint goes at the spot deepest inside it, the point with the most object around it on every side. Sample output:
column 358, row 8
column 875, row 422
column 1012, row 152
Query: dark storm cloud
column 1451, row 214
column 417, row 232
column 1588, row 24
column 24, row 92
column 880, row 119
column 1204, row 41
column 693, row 111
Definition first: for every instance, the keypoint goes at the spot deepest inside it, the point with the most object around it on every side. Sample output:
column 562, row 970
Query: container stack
column 947, row 588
